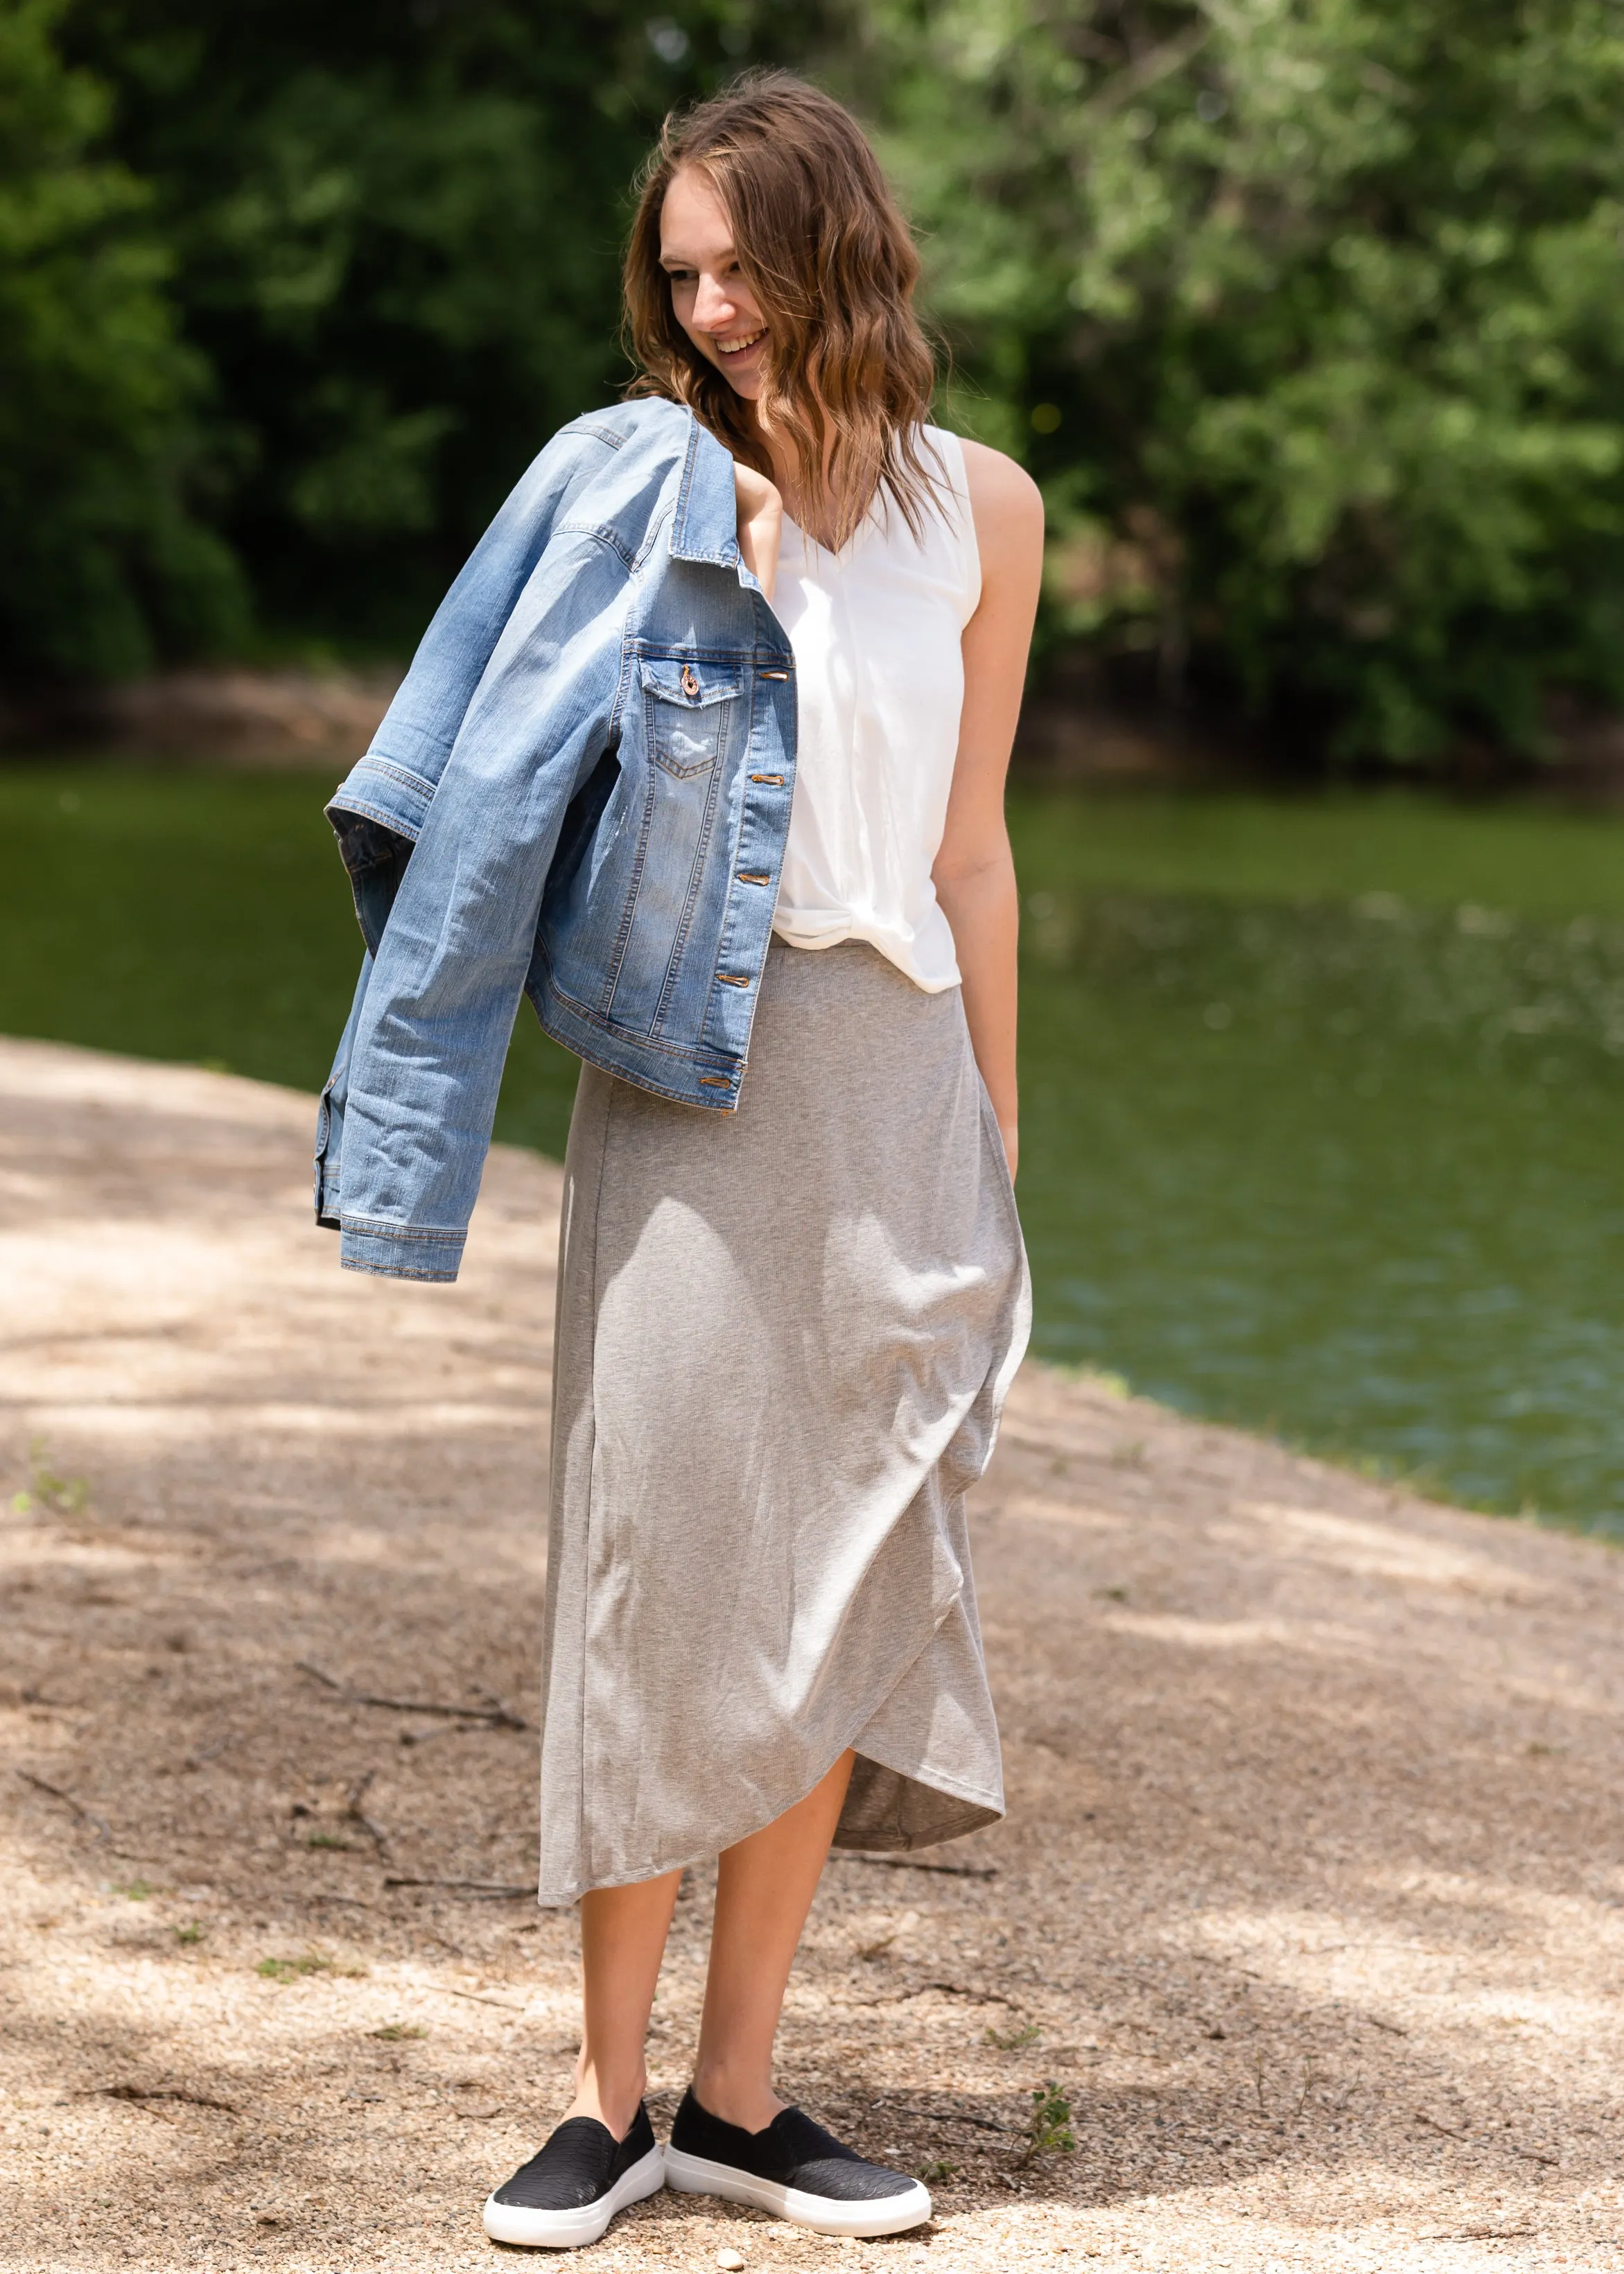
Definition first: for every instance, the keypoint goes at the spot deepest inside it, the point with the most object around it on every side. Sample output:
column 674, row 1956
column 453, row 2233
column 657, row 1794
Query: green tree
column 105, row 564
column 1307, row 313
column 396, row 234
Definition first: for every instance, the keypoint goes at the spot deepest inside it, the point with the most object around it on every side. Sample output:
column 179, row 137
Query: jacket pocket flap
column 677, row 679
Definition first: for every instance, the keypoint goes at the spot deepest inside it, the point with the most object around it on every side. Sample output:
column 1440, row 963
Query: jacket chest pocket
column 690, row 707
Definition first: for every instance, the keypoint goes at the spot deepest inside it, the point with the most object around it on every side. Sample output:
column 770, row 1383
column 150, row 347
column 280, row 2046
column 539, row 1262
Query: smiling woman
column 734, row 821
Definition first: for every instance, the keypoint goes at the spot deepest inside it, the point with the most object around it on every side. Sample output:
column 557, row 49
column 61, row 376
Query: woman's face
column 709, row 297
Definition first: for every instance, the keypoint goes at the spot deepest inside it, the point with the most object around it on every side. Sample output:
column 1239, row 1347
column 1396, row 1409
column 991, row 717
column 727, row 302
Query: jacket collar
column 706, row 526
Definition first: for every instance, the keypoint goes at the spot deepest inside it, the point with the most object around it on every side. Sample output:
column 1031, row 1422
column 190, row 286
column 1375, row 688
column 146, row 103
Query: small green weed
column 191, row 1933
column 395, row 2033
column 329, row 1840
column 1097, row 1378
column 45, row 1489
column 133, row 1891
column 1006, row 2040
column 935, row 2171
column 313, row 1961
column 1050, row 2131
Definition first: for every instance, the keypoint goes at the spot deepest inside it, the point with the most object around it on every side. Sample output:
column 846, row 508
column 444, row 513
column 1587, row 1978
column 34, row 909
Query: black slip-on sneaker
column 568, row 2194
column 794, row 2169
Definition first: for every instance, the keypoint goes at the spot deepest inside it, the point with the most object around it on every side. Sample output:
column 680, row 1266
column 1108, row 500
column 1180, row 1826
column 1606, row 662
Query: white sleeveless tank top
column 880, row 679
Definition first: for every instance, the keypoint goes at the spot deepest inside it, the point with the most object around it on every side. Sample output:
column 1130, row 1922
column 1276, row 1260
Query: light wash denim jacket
column 581, row 793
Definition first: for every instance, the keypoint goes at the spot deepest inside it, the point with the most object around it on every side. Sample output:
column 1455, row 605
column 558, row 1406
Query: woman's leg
column 764, row 1891
column 623, row 1933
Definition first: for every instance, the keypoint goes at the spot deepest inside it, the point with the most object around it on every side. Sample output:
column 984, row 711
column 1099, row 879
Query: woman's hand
column 1011, row 1147
column 760, row 524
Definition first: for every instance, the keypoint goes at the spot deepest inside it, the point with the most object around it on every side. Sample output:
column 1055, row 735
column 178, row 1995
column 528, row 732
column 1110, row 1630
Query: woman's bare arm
column 760, row 524
column 974, row 871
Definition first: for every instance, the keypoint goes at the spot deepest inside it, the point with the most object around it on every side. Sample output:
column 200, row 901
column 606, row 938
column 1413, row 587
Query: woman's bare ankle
column 610, row 2101
column 748, row 2101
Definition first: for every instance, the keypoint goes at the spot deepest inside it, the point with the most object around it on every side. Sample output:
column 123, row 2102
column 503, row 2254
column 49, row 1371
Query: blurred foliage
column 394, row 232
column 103, row 561
column 1307, row 313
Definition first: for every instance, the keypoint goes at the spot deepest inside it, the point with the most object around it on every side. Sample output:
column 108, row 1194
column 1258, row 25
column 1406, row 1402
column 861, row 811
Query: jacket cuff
column 395, row 1253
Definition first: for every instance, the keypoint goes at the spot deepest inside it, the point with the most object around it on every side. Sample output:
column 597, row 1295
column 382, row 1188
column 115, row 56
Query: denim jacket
column 581, row 793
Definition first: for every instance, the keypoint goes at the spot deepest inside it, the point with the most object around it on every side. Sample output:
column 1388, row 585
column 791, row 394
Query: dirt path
column 1311, row 1900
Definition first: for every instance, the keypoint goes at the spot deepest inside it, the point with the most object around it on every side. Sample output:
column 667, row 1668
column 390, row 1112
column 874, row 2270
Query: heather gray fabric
column 784, row 1339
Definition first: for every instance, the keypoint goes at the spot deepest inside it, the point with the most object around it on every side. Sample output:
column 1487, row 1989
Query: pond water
column 1322, row 1099
column 1342, row 1162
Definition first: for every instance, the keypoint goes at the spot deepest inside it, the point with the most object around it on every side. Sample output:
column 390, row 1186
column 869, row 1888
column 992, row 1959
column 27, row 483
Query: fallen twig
column 958, row 1990
column 1533, row 2155
column 85, row 1815
column 477, row 1998
column 1480, row 2234
column 494, row 1717
column 1433, row 2124
column 162, row 2092
column 940, row 2116
column 902, row 1864
column 492, row 1890
column 353, row 1813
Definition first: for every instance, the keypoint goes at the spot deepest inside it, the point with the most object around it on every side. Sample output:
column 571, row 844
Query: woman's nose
column 712, row 305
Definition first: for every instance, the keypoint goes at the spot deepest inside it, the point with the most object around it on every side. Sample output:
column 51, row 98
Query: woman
column 717, row 774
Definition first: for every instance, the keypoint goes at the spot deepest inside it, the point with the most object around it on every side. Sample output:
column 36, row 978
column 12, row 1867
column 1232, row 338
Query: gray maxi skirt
column 784, row 1335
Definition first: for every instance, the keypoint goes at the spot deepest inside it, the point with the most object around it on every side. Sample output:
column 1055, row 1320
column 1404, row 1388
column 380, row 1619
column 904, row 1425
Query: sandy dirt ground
column 1310, row 1901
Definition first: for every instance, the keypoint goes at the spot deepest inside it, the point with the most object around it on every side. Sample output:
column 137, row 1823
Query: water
column 1321, row 1098
column 1350, row 1171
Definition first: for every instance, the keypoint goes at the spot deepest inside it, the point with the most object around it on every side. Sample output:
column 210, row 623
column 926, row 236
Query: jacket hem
column 712, row 1082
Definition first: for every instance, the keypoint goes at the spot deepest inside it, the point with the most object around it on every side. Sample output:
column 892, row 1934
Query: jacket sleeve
column 429, row 1029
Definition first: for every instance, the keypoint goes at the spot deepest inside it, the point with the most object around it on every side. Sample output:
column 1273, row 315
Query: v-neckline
column 816, row 543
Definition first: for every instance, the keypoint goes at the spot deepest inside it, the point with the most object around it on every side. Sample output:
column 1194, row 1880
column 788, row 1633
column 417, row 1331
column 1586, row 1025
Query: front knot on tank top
column 876, row 629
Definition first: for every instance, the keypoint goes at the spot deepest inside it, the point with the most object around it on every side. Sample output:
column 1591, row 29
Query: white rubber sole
column 569, row 2230
column 693, row 2175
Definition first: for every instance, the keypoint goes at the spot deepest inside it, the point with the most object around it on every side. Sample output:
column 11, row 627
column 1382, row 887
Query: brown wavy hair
column 848, row 375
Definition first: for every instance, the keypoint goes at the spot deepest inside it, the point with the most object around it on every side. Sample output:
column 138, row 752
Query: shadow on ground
column 1310, row 1903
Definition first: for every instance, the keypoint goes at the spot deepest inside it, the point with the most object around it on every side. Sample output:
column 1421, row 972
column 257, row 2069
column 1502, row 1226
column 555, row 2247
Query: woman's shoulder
column 1004, row 507
column 998, row 489
column 1000, row 486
